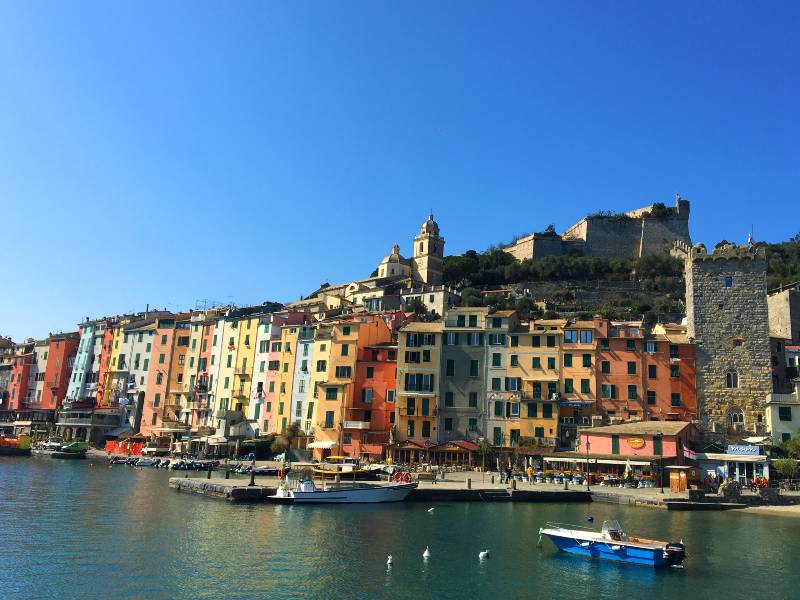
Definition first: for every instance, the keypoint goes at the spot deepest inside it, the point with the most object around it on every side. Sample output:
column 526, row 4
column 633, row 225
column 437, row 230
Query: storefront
column 742, row 463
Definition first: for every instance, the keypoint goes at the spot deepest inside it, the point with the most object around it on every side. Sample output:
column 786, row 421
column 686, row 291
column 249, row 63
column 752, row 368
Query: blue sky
column 164, row 153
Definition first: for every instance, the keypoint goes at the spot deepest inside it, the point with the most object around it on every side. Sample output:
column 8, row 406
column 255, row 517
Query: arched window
column 421, row 246
column 735, row 417
column 731, row 379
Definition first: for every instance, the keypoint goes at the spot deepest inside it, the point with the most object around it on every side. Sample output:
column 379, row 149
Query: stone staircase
column 495, row 495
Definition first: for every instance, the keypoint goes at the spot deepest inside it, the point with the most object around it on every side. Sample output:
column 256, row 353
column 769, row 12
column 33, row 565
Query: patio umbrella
column 627, row 468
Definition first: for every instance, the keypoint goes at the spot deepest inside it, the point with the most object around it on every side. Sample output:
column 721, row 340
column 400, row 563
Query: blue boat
column 612, row 543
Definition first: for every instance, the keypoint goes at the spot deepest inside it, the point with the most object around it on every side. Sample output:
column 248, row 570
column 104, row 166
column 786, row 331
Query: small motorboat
column 612, row 543
column 16, row 446
column 270, row 471
column 118, row 460
column 75, row 450
column 148, row 462
column 306, row 492
column 132, row 460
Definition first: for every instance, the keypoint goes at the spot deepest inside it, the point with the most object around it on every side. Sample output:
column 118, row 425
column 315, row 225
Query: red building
column 61, row 352
column 105, row 358
column 23, row 362
column 372, row 413
column 645, row 375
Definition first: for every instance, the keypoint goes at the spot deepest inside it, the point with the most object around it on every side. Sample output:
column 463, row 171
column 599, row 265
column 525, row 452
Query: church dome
column 429, row 227
column 394, row 257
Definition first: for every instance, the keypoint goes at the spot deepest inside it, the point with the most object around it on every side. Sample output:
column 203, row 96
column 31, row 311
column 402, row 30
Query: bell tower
column 428, row 253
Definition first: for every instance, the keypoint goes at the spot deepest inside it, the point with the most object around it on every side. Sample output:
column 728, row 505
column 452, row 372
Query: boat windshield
column 613, row 529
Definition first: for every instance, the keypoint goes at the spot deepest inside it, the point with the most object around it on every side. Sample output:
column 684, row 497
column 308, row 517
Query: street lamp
column 660, row 437
column 588, row 489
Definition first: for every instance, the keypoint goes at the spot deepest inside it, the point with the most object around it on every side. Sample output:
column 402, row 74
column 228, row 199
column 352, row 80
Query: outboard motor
column 675, row 552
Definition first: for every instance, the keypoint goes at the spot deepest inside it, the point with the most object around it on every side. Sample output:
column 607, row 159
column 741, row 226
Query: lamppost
column 588, row 489
column 660, row 437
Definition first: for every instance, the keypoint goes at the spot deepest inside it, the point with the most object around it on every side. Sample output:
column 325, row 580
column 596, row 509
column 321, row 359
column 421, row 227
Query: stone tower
column 726, row 310
column 428, row 253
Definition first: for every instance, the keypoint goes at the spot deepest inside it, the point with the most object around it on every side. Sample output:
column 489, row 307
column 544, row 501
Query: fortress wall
column 660, row 233
column 548, row 245
column 522, row 249
column 613, row 238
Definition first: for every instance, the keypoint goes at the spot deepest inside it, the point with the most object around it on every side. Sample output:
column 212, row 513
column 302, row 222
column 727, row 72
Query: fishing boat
column 612, row 543
column 306, row 492
column 346, row 467
column 75, row 450
column 16, row 446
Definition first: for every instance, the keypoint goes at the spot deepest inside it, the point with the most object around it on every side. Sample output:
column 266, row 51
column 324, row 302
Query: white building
column 783, row 415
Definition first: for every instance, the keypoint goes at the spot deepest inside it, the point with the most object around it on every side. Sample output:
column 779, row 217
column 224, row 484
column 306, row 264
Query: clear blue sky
column 162, row 153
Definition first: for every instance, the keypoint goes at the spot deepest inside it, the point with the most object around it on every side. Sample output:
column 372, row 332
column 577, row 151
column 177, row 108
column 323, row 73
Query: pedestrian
column 508, row 475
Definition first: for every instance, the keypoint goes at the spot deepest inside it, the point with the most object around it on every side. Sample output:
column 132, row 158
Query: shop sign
column 744, row 450
column 636, row 443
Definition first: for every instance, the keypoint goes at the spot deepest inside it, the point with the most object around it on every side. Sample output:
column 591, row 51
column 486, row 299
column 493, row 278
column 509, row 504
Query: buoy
column 427, row 553
column 431, row 509
column 484, row 554
column 389, row 561
column 590, row 518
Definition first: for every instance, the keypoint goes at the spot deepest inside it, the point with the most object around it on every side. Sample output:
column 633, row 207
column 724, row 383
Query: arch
column 731, row 379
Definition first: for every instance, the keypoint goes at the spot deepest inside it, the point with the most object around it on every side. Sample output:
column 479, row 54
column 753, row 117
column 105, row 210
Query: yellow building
column 117, row 368
column 578, row 382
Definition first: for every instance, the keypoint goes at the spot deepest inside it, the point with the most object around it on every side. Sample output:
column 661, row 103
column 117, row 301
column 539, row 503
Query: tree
column 484, row 448
column 293, row 432
column 785, row 467
column 279, row 445
column 416, row 306
column 792, row 448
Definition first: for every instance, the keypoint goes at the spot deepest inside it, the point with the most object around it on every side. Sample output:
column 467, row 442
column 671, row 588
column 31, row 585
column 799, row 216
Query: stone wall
column 659, row 234
column 784, row 315
column 730, row 326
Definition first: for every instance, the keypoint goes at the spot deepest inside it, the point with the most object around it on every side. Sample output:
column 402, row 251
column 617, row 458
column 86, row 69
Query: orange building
column 373, row 400
column 157, row 381
column 61, row 351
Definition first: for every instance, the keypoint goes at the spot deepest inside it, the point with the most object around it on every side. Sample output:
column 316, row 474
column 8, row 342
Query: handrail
column 556, row 525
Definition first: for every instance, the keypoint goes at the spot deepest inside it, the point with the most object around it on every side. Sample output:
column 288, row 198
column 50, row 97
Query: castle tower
column 428, row 253
column 726, row 310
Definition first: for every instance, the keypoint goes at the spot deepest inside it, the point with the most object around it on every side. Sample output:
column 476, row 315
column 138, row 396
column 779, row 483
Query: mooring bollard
column 492, row 479
column 469, row 483
column 252, row 478
column 209, row 473
column 227, row 474
column 186, row 476
column 513, row 484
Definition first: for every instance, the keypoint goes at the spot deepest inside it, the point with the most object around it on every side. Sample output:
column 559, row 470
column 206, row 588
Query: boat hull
column 620, row 552
column 68, row 455
column 12, row 451
column 345, row 495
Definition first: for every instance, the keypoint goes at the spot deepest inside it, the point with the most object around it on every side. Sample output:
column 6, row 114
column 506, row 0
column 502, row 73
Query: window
column 448, row 424
column 568, row 386
column 390, row 395
column 497, row 359
column 551, row 362
column 370, row 372
column 496, row 384
column 631, row 368
column 729, row 282
column 285, row 367
column 426, row 356
column 345, row 349
column 473, row 399
column 632, row 392
column 497, row 322
column 614, row 444
column 161, row 359
column 412, row 357
column 675, row 371
column 675, row 399
column 568, row 360
column 473, row 424
column 587, row 360
column 532, row 410
column 658, row 448
column 331, row 393
column 538, row 432
column 631, row 346
column 651, row 371
column 551, row 389
column 366, row 395
column 604, row 345
column 570, row 336
column 586, row 387
column 473, row 320
column 426, row 429
column 651, row 347
column 461, row 321
column 513, row 384
column 448, row 399
column 608, row 390
column 785, row 413
column 473, row 368
column 410, row 429
column 551, row 341
column 731, row 379
column 536, row 341
column 537, row 389
column 498, row 409
column 547, row 411
column 271, row 387
column 673, row 351
column 328, row 419
column 283, row 387
column 146, row 364
column 450, row 339
column 159, row 378
column 450, row 367
column 514, row 341
column 154, row 420
column 651, row 397
column 343, row 372
column 536, row 363
column 497, row 339
column 346, row 330
column 605, row 367
column 586, row 336
column 514, row 360
column 157, row 401
column 474, row 339
column 785, row 437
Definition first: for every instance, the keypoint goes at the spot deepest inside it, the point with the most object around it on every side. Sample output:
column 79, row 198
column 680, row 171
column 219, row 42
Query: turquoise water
column 71, row 530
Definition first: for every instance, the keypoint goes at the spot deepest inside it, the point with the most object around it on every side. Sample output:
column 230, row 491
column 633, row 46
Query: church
column 395, row 282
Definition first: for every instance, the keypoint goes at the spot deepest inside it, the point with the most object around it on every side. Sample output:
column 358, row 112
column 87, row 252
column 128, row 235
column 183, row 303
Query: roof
column 640, row 428
column 503, row 313
column 463, row 444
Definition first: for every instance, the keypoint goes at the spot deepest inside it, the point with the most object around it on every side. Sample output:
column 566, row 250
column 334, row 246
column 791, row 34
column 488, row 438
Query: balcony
column 91, row 387
column 242, row 372
column 363, row 425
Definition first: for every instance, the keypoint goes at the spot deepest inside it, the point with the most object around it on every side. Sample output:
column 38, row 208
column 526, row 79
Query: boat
column 148, row 462
column 612, row 543
column 345, row 467
column 118, row 460
column 16, row 446
column 53, row 443
column 306, row 492
column 75, row 450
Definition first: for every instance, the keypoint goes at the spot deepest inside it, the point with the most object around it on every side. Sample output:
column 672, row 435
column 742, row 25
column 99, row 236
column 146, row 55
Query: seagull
column 427, row 554
column 483, row 554
column 431, row 509
column 389, row 561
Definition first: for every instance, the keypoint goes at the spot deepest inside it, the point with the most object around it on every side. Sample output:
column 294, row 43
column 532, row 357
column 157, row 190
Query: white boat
column 305, row 492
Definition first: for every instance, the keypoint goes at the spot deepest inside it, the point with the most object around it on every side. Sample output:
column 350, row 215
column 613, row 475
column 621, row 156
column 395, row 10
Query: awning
column 601, row 461
column 214, row 440
column 713, row 456
column 323, row 445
